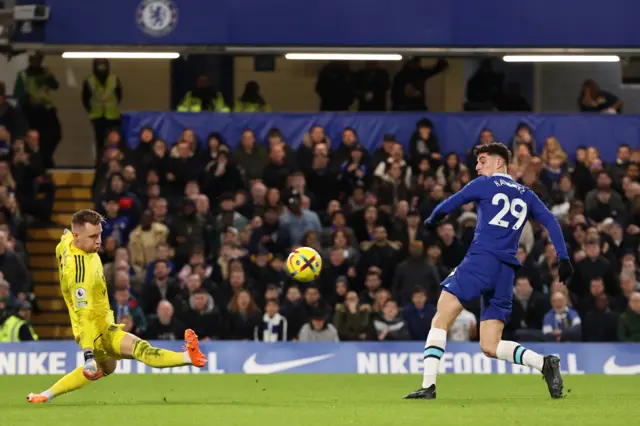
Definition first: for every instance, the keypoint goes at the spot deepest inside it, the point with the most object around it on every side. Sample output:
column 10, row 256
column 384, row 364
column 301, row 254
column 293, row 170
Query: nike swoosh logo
column 610, row 367
column 252, row 367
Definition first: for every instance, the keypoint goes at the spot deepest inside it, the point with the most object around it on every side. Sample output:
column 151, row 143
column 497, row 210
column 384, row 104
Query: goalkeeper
column 85, row 292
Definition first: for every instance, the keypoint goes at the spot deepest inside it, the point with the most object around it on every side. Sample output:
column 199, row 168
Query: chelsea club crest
column 157, row 17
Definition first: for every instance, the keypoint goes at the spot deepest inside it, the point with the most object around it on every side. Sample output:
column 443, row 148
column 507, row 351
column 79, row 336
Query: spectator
column 529, row 310
column 629, row 324
column 408, row 89
column 418, row 314
column 593, row 99
column 162, row 287
column 251, row 100
column 318, row 329
column 600, row 323
column 274, row 325
column 371, row 85
column 390, row 326
column 203, row 316
column 144, row 240
column 351, row 319
column 464, row 328
column 125, row 305
column 165, row 326
column 561, row 323
column 13, row 270
column 413, row 272
column 17, row 327
column 296, row 219
column 243, row 317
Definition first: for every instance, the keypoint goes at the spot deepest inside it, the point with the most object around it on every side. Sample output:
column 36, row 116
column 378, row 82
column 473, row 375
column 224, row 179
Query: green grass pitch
column 327, row 400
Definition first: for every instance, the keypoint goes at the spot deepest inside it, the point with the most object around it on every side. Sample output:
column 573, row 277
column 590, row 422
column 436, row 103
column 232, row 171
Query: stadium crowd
column 196, row 235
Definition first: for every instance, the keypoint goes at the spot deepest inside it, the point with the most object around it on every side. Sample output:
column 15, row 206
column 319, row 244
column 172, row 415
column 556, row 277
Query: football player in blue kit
column 488, row 270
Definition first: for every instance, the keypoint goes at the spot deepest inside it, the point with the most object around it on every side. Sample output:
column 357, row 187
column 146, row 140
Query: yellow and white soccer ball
column 304, row 264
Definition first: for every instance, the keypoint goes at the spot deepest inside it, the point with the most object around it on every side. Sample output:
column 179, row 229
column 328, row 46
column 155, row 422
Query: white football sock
column 187, row 360
column 513, row 352
column 433, row 351
column 48, row 394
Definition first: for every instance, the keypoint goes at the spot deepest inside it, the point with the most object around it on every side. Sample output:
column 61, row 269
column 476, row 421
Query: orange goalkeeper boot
column 192, row 347
column 37, row 398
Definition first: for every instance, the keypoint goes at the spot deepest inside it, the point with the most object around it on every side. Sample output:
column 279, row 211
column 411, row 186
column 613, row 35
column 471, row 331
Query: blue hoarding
column 456, row 132
column 358, row 358
column 411, row 23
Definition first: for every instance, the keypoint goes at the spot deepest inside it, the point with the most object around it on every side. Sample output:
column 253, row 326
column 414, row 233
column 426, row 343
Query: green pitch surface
column 327, row 400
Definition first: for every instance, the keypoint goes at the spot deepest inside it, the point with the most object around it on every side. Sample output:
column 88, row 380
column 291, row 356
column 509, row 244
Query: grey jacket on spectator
column 326, row 334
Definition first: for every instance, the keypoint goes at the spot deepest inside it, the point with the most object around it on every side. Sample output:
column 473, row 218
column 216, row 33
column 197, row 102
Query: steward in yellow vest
column 204, row 98
column 251, row 100
column 17, row 328
column 101, row 97
column 33, row 90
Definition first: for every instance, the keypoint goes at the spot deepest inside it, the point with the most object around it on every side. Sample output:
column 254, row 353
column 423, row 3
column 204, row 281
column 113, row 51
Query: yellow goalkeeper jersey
column 84, row 289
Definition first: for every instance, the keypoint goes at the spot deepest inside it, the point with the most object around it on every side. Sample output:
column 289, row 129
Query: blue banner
column 410, row 23
column 456, row 132
column 361, row 358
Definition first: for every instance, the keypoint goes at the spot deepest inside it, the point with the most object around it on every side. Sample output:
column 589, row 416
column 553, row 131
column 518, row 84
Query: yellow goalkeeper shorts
column 107, row 346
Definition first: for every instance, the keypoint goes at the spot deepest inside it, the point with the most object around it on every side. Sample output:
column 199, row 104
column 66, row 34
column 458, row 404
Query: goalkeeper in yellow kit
column 85, row 293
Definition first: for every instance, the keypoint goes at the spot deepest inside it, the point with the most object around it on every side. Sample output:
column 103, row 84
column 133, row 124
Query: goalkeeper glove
column 90, row 369
column 565, row 270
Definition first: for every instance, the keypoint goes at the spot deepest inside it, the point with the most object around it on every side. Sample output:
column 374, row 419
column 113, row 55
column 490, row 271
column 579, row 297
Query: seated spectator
column 464, row 328
column 203, row 316
column 318, row 329
column 629, row 324
column 390, row 326
column 294, row 310
column 600, row 323
column 529, row 310
column 13, row 270
column 561, row 323
column 124, row 305
column 274, row 326
column 161, row 287
column 165, row 326
column 115, row 226
column 243, row 316
column 418, row 314
column 628, row 285
column 352, row 319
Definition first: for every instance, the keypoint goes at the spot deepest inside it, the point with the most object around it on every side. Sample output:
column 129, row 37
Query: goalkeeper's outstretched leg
column 133, row 347
column 130, row 347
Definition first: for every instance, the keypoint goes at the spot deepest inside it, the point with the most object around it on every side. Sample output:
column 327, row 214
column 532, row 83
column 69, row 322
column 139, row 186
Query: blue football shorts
column 485, row 276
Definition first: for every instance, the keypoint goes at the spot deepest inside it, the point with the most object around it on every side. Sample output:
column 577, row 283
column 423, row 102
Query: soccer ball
column 304, row 264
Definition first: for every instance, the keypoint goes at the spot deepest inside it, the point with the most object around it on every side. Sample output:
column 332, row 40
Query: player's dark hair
column 200, row 291
column 494, row 148
column 271, row 301
column 418, row 289
column 89, row 216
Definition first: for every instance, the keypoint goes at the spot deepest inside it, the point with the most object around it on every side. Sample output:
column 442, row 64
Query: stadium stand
column 197, row 231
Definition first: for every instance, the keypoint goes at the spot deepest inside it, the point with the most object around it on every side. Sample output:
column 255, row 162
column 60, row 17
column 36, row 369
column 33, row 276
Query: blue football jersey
column 503, row 209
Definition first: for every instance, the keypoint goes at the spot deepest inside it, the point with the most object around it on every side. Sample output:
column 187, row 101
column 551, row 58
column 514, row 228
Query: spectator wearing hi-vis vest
column 205, row 97
column 33, row 91
column 101, row 97
column 17, row 327
column 251, row 100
